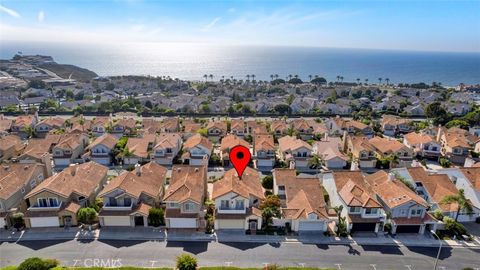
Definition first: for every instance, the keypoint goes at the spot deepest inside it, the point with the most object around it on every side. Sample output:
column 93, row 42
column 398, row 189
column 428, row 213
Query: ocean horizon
column 190, row 61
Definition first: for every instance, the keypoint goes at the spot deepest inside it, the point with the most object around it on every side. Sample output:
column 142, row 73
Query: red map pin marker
column 240, row 157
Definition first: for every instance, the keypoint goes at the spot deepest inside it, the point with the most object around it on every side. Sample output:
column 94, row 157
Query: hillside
column 64, row 71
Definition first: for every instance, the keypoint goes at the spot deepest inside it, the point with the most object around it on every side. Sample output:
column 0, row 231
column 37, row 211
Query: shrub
column 37, row 264
column 453, row 228
column 156, row 217
column 87, row 215
column 387, row 227
column 444, row 162
column 267, row 182
column 438, row 214
column 18, row 221
column 186, row 262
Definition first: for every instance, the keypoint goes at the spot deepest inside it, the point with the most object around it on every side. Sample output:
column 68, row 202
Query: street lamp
column 439, row 249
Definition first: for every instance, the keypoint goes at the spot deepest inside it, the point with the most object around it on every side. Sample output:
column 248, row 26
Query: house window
column 355, row 209
column 172, row 205
column 169, row 150
column 33, row 183
column 304, row 154
column 127, row 201
column 371, row 211
column 416, row 212
column 53, row 202
column 188, row 207
column 112, row 201
column 42, row 202
column 239, row 204
column 225, row 204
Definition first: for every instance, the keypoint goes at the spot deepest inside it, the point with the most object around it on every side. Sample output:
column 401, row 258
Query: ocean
column 191, row 61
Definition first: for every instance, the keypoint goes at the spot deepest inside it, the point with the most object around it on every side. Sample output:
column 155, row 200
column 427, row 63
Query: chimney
column 391, row 176
column 354, row 166
column 73, row 171
column 48, row 164
column 292, row 165
column 138, row 172
column 326, row 136
column 469, row 162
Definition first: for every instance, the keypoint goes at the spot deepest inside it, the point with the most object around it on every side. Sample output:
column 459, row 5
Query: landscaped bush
column 156, row 217
column 444, row 162
column 438, row 214
column 186, row 262
column 387, row 227
column 87, row 215
column 267, row 182
column 18, row 221
column 37, row 264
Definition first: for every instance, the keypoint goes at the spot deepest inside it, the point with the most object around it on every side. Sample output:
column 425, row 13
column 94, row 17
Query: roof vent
column 26, row 167
column 196, row 169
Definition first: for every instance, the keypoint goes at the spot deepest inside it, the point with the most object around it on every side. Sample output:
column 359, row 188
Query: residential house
column 128, row 198
column 360, row 207
column 197, row 150
column 362, row 151
column 123, row 127
column 228, row 142
column 190, row 128
column 338, row 125
column 17, row 179
column 46, row 125
column 295, row 152
column 303, row 128
column 69, row 149
column 100, row 125
column 303, row 205
column 151, row 126
column 56, row 201
column 138, row 150
column 100, row 150
column 329, row 151
column 216, row 130
column 467, row 179
column 423, row 145
column 185, row 196
column 10, row 146
column 23, row 122
column 170, row 125
column 238, row 127
column 167, row 147
column 5, row 125
column 456, row 144
column 237, row 200
column 279, row 128
column 388, row 147
column 407, row 210
column 392, row 125
column 264, row 152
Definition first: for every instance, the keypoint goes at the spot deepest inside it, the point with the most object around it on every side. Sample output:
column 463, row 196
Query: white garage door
column 36, row 222
column 310, row 226
column 231, row 224
column 116, row 221
column 183, row 223
column 2, row 223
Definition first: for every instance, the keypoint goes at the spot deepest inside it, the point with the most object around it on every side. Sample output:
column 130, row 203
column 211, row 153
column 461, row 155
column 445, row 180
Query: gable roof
column 187, row 183
column 473, row 175
column 414, row 138
column 304, row 197
column 167, row 140
column 264, row 142
column 149, row 181
column 354, row 190
column 291, row 143
column 197, row 139
column 15, row 175
column 106, row 139
column 139, row 146
column 248, row 185
column 231, row 140
column 387, row 146
column 82, row 179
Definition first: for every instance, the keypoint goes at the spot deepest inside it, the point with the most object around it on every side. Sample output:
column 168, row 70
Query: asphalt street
column 151, row 253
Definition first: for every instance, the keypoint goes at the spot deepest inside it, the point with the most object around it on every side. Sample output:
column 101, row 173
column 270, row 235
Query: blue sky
column 427, row 25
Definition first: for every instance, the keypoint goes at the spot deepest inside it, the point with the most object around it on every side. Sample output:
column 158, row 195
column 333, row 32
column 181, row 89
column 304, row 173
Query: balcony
column 37, row 207
column 232, row 210
column 117, row 207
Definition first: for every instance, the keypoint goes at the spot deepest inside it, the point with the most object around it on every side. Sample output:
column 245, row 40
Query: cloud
column 9, row 11
column 211, row 24
column 137, row 27
column 41, row 16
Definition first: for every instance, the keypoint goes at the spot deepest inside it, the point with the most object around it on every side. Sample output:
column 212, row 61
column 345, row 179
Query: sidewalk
column 156, row 234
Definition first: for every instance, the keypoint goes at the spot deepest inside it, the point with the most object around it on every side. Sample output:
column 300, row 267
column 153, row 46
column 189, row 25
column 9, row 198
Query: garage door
column 2, row 223
column 408, row 229
column 183, row 223
column 116, row 221
column 36, row 222
column 363, row 227
column 310, row 226
column 231, row 224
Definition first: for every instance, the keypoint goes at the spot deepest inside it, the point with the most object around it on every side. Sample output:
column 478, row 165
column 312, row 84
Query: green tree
column 37, row 264
column 156, row 217
column 87, row 215
column 267, row 182
column 282, row 109
column 186, row 262
column 29, row 130
column 315, row 162
column 270, row 208
column 462, row 202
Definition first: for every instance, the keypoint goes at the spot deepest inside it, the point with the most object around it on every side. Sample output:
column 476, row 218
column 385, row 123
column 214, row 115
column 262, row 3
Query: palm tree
column 276, row 76
column 223, row 78
column 290, row 76
column 358, row 80
column 271, row 77
column 387, row 80
column 310, row 77
column 316, row 76
column 30, row 131
column 341, row 78
column 81, row 121
column 366, row 81
column 460, row 199
column 379, row 80
column 296, row 76
column 205, row 76
column 338, row 78
column 211, row 77
column 315, row 162
column 248, row 77
column 253, row 77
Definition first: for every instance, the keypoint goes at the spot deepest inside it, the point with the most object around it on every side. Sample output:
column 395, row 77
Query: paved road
column 146, row 253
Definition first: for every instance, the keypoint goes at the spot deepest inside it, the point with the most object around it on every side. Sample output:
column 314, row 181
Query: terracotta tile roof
column 301, row 124
column 264, row 142
column 5, row 124
column 231, row 140
column 303, row 195
column 354, row 190
column 238, row 124
column 289, row 143
column 361, row 144
column 140, row 146
column 171, row 123
column 279, row 125
column 150, row 181
column 177, row 213
column 81, row 179
column 393, row 192
column 245, row 187
column 101, row 121
column 168, row 140
column 456, row 140
column 128, row 123
column 6, row 142
column 106, row 139
column 70, row 141
column 197, row 139
column 414, row 138
column 329, row 149
column 151, row 125
column 72, row 207
column 473, row 175
column 141, row 208
column 187, row 183
column 55, row 122
column 15, row 175
column 413, row 220
column 24, row 120
column 38, row 147
column 437, row 185
column 387, row 146
column 394, row 120
column 281, row 176
column 345, row 124
column 217, row 124
column 191, row 127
